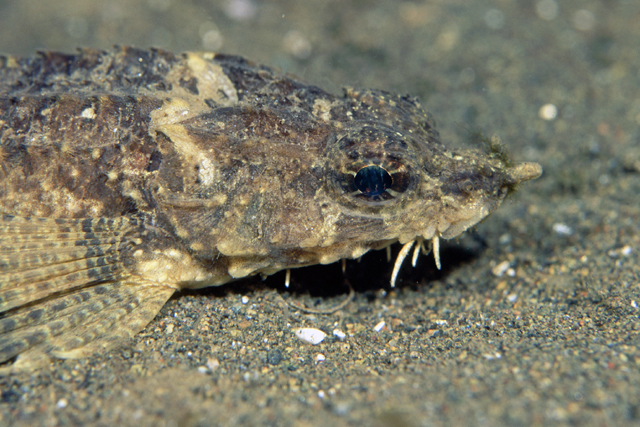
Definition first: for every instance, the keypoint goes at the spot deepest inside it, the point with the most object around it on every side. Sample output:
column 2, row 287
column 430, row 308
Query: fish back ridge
column 88, row 69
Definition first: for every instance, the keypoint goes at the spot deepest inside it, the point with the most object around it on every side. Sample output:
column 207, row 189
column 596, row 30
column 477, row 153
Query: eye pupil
column 372, row 180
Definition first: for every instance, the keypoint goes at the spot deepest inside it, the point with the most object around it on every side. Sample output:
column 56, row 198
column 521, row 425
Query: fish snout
column 523, row 172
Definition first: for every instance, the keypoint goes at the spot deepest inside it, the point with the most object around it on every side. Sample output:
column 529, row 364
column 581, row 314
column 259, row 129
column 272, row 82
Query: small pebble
column 213, row 363
column 584, row 20
column 339, row 334
column 562, row 229
column 310, row 335
column 547, row 9
column 548, row 112
column 492, row 356
column 296, row 44
column 494, row 19
column 320, row 358
column 274, row 356
column 501, row 268
column 240, row 10
column 342, row 409
column 505, row 239
column 379, row 326
column 245, row 299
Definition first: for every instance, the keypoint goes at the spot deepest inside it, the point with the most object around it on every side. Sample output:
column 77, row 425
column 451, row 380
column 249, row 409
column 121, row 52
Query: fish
column 128, row 175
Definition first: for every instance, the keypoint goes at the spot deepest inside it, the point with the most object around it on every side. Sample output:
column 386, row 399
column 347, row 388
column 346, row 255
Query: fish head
column 402, row 185
column 258, row 190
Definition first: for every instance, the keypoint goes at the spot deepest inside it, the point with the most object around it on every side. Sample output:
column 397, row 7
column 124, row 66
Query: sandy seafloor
column 534, row 318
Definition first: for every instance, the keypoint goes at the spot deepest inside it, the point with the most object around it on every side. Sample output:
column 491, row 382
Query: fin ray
column 99, row 335
column 70, row 306
column 66, row 290
column 25, row 287
column 25, row 259
column 40, row 257
column 65, row 325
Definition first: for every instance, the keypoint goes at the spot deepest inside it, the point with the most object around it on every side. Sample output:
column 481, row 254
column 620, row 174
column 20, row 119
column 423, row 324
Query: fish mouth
column 474, row 213
column 513, row 176
column 478, row 214
column 433, row 236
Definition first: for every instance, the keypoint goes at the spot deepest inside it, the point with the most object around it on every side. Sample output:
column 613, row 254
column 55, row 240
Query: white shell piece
column 339, row 334
column 310, row 335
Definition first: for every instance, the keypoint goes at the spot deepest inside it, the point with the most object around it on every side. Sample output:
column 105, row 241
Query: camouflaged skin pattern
column 151, row 172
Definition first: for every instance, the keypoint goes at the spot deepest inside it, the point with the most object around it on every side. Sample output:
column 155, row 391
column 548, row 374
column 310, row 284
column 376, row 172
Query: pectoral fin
column 66, row 289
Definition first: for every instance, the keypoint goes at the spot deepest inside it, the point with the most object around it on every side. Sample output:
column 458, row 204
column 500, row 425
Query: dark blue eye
column 372, row 180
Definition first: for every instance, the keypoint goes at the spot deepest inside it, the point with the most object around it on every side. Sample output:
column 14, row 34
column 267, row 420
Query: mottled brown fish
column 127, row 175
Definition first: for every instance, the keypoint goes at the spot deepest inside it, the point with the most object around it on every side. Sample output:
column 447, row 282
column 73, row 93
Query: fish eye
column 373, row 168
column 372, row 180
column 374, row 184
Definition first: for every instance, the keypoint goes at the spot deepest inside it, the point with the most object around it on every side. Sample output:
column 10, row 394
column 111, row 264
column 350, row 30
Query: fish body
column 128, row 174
